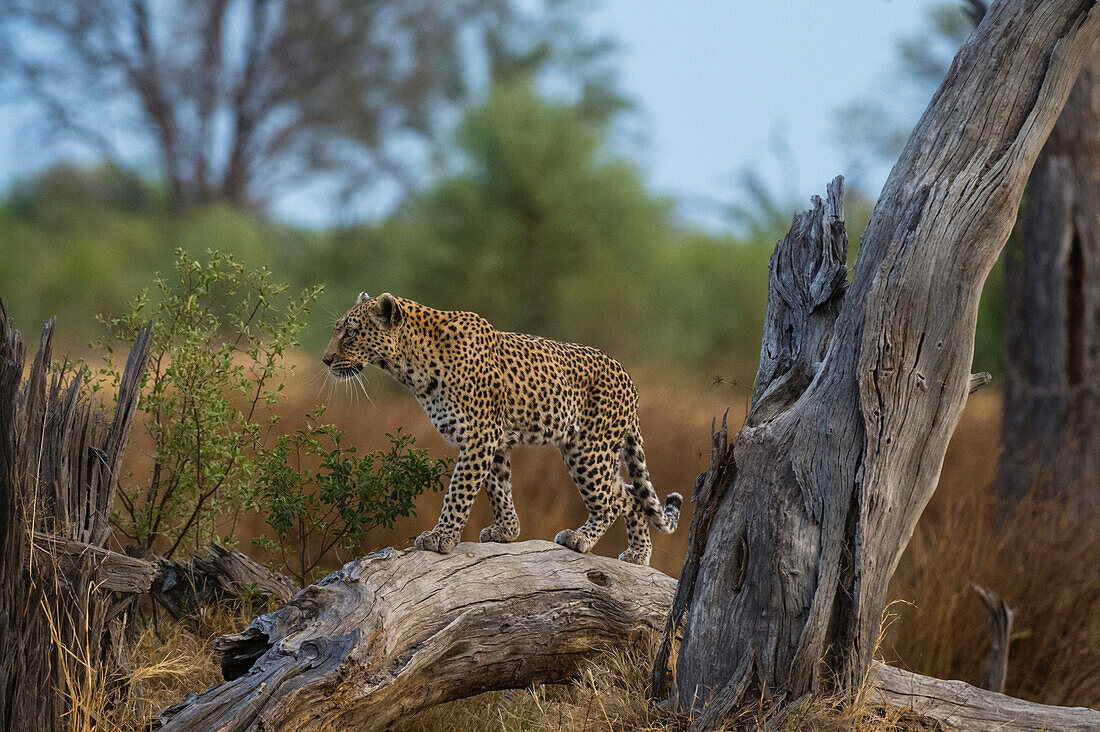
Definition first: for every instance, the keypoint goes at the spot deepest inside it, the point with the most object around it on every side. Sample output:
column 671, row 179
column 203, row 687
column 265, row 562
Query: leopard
column 486, row 391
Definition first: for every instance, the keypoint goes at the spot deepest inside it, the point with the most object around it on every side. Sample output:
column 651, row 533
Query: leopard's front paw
column 499, row 534
column 437, row 540
column 574, row 540
column 634, row 556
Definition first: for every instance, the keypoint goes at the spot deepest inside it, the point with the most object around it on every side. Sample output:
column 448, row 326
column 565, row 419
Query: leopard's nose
column 326, row 360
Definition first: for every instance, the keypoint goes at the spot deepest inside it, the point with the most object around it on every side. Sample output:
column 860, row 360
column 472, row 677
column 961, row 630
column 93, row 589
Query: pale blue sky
column 720, row 86
column 719, row 82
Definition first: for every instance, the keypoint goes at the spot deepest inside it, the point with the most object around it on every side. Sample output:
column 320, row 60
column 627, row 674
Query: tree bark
column 398, row 631
column 1052, row 314
column 821, row 490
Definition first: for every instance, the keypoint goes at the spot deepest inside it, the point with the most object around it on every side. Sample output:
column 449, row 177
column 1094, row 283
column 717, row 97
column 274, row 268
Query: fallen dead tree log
column 208, row 578
column 107, row 570
column 399, row 631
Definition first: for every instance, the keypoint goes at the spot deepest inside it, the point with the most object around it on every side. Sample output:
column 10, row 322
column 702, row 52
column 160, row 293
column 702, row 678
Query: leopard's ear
column 363, row 297
column 385, row 311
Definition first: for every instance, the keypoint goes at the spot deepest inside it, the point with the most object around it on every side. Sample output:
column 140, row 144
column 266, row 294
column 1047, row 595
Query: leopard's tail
column 664, row 518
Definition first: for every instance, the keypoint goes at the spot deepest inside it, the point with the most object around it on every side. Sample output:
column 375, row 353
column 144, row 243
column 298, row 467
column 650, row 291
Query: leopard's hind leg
column 639, row 548
column 596, row 473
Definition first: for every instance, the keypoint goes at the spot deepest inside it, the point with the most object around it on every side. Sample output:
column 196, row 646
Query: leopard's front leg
column 505, row 527
column 470, row 473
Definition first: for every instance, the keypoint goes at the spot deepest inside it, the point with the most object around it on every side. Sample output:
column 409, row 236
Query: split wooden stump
column 395, row 632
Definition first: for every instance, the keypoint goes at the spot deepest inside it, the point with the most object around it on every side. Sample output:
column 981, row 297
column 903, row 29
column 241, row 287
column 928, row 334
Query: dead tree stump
column 861, row 384
column 61, row 619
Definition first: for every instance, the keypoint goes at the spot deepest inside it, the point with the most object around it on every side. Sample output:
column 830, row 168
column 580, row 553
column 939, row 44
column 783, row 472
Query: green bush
column 219, row 332
column 313, row 512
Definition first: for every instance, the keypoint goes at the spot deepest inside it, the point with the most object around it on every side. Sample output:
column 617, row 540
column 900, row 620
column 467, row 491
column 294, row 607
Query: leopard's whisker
column 348, row 390
column 359, row 381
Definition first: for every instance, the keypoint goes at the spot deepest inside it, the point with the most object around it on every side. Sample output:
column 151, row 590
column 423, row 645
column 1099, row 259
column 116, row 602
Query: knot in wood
column 597, row 577
column 314, row 652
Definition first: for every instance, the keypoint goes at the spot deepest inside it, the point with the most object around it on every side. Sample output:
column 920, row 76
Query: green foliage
column 102, row 187
column 82, row 241
column 532, row 221
column 313, row 511
column 534, row 225
column 218, row 339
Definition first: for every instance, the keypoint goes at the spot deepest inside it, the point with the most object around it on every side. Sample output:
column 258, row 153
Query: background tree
column 1052, row 314
column 240, row 99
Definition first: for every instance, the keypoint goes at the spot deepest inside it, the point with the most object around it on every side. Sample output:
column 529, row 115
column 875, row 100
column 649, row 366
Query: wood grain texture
column 108, row 570
column 826, row 484
column 398, row 631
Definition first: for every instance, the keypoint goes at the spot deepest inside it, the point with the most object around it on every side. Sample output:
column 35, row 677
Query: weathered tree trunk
column 398, row 631
column 394, row 632
column 816, row 500
column 1052, row 314
column 61, row 625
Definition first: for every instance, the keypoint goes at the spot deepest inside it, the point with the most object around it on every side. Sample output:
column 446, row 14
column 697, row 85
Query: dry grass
column 1040, row 560
column 168, row 663
column 610, row 696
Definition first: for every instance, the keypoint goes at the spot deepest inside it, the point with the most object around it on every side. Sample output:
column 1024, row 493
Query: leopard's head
column 367, row 334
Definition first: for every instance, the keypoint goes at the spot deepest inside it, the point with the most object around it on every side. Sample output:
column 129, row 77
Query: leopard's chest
column 444, row 417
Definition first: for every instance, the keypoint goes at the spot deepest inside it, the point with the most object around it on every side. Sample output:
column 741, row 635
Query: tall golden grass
column 1039, row 559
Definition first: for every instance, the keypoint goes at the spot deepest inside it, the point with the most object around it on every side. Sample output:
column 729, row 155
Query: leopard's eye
column 350, row 333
